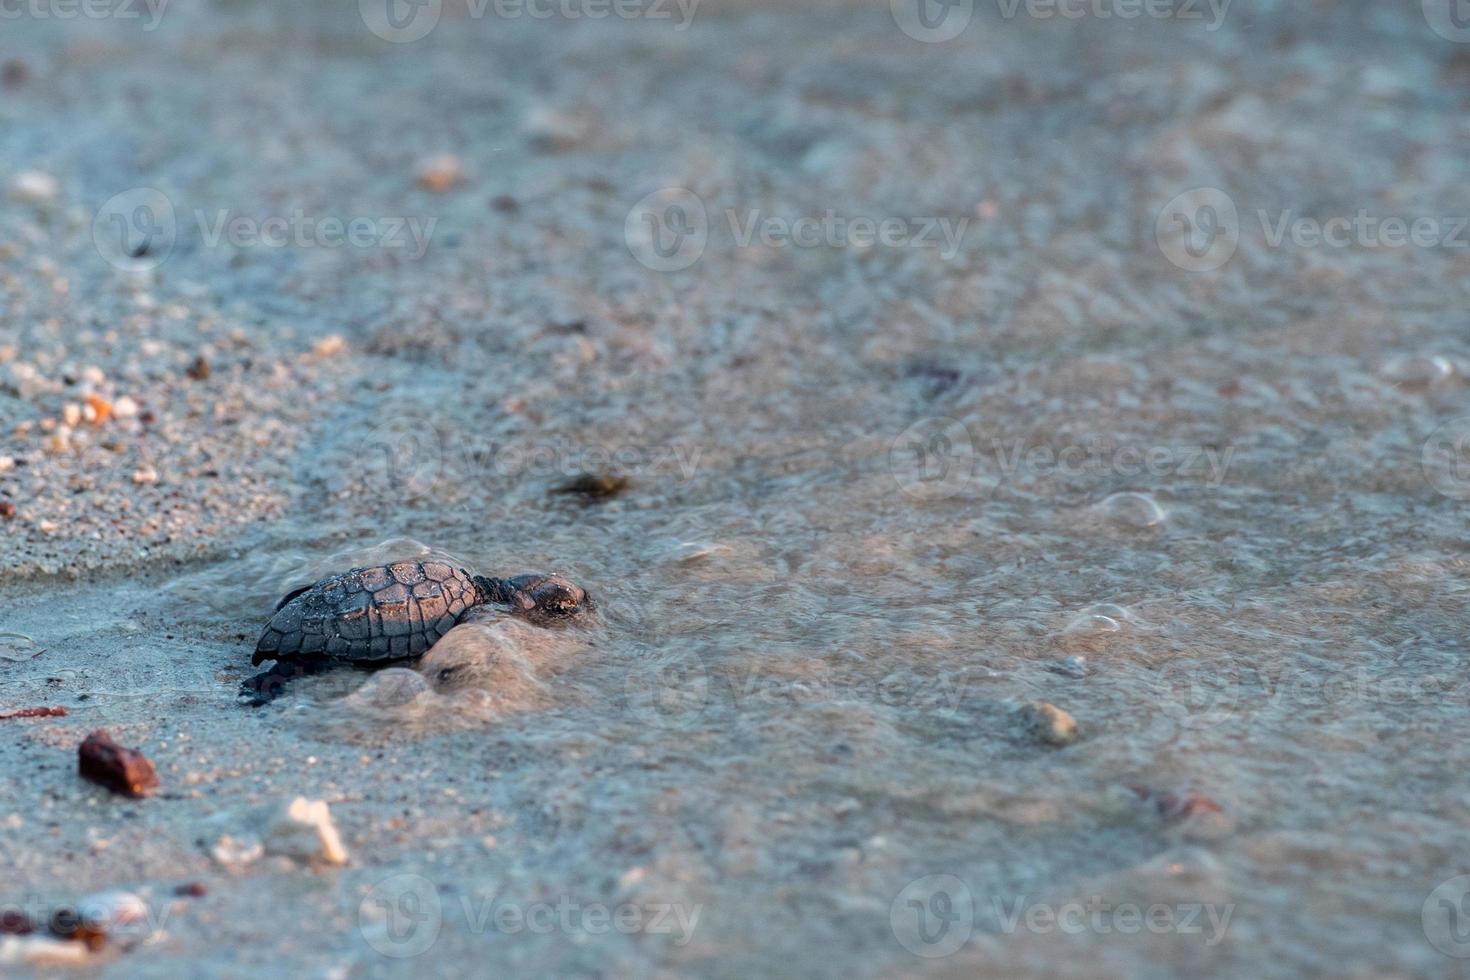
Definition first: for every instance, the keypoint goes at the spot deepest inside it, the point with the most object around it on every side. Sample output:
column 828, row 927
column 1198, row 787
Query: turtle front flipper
column 291, row 595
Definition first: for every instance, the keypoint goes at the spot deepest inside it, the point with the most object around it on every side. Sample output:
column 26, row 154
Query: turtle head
column 546, row 599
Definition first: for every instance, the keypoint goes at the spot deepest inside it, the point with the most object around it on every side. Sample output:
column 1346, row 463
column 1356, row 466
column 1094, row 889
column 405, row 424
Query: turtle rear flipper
column 266, row 686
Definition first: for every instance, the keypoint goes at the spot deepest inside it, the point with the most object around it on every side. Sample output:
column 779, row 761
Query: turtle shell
column 370, row 615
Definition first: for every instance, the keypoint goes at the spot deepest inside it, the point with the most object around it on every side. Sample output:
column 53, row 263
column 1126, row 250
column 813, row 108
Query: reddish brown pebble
column 1182, row 806
column 199, row 370
column 57, row 712
column 122, row 770
column 14, row 922
column 7, row 509
column 192, row 890
column 68, row 923
column 505, row 204
column 14, row 73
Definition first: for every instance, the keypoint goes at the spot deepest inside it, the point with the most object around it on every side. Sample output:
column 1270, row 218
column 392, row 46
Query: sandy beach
column 1018, row 456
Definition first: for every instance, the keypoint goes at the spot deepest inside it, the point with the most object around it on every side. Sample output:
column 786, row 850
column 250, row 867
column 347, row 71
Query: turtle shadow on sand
column 386, row 615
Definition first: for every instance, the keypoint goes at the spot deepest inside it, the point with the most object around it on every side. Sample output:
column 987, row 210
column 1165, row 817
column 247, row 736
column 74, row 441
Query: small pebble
column 303, row 830
column 7, row 509
column 1049, row 723
column 57, row 712
column 550, row 131
column 504, row 203
column 193, row 889
column 1074, row 666
column 125, row 408
column 14, row 73
column 14, row 922
column 441, row 174
column 34, row 187
column 97, row 410
column 41, row 951
column 594, row 486
column 329, row 345
column 145, row 475
column 235, row 853
column 102, row 916
column 199, row 370
column 122, row 770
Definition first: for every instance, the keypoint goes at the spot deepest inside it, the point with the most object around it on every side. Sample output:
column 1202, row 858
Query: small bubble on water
column 1132, row 509
column 1111, row 610
column 686, row 552
column 1417, row 370
column 1094, row 623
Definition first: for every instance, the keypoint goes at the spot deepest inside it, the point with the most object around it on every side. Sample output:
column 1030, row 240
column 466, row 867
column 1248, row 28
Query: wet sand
column 1173, row 464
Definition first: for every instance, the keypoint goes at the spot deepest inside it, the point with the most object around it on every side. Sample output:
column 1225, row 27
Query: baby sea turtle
column 372, row 617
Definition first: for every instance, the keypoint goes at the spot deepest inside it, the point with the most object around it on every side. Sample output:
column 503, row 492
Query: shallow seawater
column 879, row 501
